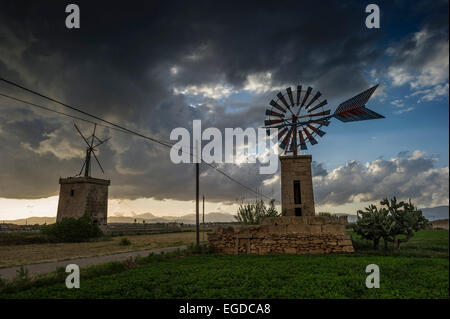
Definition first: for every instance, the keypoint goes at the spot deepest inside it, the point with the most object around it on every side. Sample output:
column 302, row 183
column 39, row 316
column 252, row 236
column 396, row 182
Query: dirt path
column 34, row 269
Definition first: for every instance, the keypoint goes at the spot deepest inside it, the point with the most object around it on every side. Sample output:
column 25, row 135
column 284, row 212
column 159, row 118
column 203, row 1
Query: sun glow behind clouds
column 47, row 207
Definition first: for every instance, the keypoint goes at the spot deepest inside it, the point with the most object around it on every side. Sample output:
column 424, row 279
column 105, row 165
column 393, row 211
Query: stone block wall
column 287, row 234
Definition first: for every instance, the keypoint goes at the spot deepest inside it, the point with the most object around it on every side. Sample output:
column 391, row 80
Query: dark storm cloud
column 121, row 65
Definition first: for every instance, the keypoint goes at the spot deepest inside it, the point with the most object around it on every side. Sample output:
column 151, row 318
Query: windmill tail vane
column 301, row 114
column 354, row 109
column 90, row 150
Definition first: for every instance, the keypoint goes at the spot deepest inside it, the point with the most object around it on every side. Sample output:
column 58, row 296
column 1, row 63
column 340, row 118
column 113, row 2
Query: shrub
column 22, row 238
column 125, row 242
column 253, row 213
column 72, row 230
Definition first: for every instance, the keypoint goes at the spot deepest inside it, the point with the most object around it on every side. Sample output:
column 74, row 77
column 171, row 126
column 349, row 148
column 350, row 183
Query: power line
column 61, row 113
column 114, row 126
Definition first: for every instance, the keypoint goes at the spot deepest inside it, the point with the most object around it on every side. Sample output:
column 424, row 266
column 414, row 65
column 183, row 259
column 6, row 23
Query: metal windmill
column 300, row 116
column 90, row 150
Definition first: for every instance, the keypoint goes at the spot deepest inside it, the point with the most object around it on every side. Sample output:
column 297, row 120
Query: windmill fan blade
column 359, row 114
column 308, row 92
column 81, row 134
column 281, row 133
column 282, row 99
column 302, row 140
column 323, row 103
column 317, row 130
column 325, row 123
column 291, row 145
column 272, row 113
column 277, row 106
column 82, row 167
column 101, row 142
column 286, row 139
column 318, row 94
column 299, row 93
column 93, row 135
column 311, row 139
column 272, row 122
column 291, row 98
column 327, row 112
column 98, row 162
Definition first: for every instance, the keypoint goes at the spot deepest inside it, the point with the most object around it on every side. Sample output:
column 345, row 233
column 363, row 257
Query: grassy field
column 403, row 275
column 12, row 255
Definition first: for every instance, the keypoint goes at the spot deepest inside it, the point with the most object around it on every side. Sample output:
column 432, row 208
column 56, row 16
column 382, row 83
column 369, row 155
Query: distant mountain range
column 147, row 217
column 185, row 219
column 433, row 213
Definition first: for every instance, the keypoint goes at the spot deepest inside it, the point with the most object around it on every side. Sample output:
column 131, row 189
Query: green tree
column 406, row 219
column 396, row 222
column 252, row 213
column 373, row 224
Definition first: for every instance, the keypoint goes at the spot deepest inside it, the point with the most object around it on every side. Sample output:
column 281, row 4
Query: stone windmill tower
column 85, row 195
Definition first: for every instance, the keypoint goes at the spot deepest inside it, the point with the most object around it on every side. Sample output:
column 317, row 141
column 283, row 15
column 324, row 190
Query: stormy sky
column 154, row 66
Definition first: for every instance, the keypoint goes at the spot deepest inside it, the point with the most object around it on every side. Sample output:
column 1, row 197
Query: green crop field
column 419, row 270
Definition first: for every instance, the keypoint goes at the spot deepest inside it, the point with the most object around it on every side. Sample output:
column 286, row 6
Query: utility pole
column 197, row 215
column 203, row 218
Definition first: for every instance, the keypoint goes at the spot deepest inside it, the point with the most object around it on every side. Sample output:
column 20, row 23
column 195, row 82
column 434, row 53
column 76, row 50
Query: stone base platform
column 287, row 234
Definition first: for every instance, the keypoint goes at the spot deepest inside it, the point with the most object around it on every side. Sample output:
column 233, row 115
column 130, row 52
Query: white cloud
column 54, row 144
column 260, row 83
column 405, row 176
column 404, row 110
column 433, row 93
column 398, row 103
column 213, row 91
column 422, row 61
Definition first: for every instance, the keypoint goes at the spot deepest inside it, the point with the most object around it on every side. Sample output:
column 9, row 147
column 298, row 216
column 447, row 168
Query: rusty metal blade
column 308, row 92
column 299, row 93
column 282, row 99
column 291, row 98
column 272, row 122
column 311, row 139
column 317, row 130
column 316, row 96
column 302, row 140
column 317, row 106
column 277, row 106
column 273, row 113
column 282, row 132
column 286, row 139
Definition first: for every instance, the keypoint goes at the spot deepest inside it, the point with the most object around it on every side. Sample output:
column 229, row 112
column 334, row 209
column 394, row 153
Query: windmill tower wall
column 297, row 196
column 83, row 195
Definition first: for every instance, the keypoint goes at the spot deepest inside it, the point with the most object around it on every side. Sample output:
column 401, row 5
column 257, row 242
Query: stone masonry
column 287, row 234
column 83, row 195
column 297, row 170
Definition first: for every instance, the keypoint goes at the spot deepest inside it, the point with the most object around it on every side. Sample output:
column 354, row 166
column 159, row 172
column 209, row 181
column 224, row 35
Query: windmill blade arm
column 101, row 142
column 98, row 162
column 81, row 134
column 93, row 135
column 325, row 118
column 82, row 167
